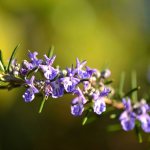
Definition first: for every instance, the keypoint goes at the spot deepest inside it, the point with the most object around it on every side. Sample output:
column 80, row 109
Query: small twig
column 114, row 103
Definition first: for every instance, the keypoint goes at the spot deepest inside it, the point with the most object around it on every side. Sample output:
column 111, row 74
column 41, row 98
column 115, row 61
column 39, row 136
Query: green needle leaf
column 42, row 104
column 2, row 68
column 12, row 57
column 122, row 80
column 84, row 120
column 86, row 117
column 138, row 133
column 108, row 82
column 88, row 120
column 2, row 62
column 51, row 51
column 132, row 91
column 134, row 85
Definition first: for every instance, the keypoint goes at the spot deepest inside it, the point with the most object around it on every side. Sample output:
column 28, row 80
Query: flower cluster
column 90, row 88
column 139, row 111
column 85, row 83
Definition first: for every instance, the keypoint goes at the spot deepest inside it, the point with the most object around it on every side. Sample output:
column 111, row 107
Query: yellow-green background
column 107, row 33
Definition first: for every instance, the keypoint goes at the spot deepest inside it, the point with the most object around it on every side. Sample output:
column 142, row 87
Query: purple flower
column 142, row 110
column 145, row 122
column 79, row 93
column 34, row 63
column 105, row 92
column 26, row 67
column 83, row 74
column 34, row 60
column 30, row 83
column 48, row 88
column 70, row 83
column 57, row 89
column 77, row 106
column 138, row 112
column 23, row 71
column 86, row 85
column 80, row 65
column 49, row 72
column 128, row 117
column 99, row 103
column 29, row 94
column 127, row 121
column 50, row 61
column 71, row 71
column 99, row 106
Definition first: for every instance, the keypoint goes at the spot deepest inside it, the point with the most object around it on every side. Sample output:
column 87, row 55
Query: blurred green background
column 107, row 33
